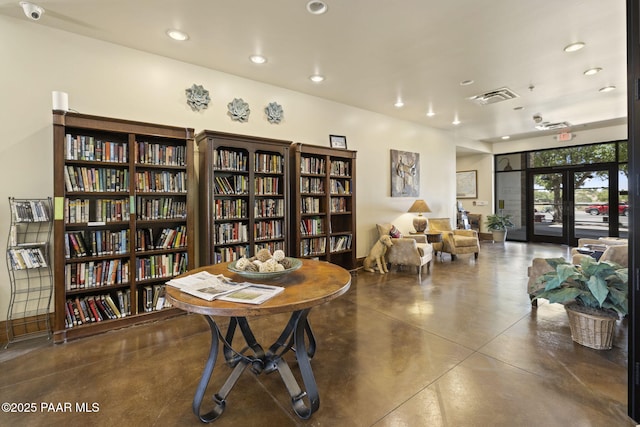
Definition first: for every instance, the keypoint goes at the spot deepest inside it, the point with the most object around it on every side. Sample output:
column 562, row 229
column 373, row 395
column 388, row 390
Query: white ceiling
column 375, row 51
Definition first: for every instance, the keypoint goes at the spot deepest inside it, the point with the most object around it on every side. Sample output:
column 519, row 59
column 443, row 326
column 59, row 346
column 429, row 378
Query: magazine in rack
column 210, row 287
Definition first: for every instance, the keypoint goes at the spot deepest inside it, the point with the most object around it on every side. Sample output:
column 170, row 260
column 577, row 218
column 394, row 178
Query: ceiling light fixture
column 178, row 35
column 316, row 7
column 607, row 89
column 399, row 104
column 455, row 121
column 519, row 108
column 258, row 59
column 592, row 71
column 506, row 137
column 430, row 114
column 466, row 82
column 316, row 78
column 573, row 47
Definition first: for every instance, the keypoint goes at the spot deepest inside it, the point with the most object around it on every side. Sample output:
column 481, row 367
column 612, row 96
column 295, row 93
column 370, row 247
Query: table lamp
column 419, row 222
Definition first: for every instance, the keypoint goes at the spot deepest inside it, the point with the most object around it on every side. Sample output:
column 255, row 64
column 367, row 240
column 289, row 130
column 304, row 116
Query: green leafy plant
column 499, row 222
column 602, row 286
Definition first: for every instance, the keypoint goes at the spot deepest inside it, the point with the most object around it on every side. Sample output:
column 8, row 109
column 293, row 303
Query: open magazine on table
column 216, row 286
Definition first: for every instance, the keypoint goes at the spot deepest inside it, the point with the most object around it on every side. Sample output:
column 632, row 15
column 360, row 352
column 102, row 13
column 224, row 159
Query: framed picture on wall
column 338, row 141
column 405, row 174
column 467, row 185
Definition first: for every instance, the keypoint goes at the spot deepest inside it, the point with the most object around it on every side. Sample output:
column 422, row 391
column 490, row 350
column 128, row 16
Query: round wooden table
column 314, row 283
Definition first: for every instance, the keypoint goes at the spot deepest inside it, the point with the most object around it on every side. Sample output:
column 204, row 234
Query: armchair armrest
column 419, row 238
column 468, row 233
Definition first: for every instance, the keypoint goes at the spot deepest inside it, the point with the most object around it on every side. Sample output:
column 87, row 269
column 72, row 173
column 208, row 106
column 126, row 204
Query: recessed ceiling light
column 519, row 108
column 258, row 59
column 316, row 78
column 455, row 122
column 316, row 7
column 573, row 47
column 430, row 114
column 592, row 71
column 506, row 137
column 607, row 89
column 178, row 35
column 399, row 104
column 466, row 82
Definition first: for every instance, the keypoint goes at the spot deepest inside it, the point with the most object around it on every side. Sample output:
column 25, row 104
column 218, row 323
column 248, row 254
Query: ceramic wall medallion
column 239, row 110
column 273, row 110
column 197, row 97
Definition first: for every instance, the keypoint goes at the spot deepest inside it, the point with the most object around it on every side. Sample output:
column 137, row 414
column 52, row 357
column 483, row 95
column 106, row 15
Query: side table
column 435, row 237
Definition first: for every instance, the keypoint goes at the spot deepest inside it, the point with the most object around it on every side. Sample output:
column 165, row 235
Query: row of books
column 26, row 258
column 339, row 204
column 230, row 160
column 311, row 185
column 153, row 298
column 272, row 246
column 230, row 253
column 96, row 308
column 95, row 210
column 340, row 243
column 168, row 238
column 266, row 208
column 151, row 153
column 159, row 266
column 312, row 165
column 310, row 205
column 340, row 168
column 268, row 229
column 311, row 226
column 267, row 186
column 96, row 243
column 340, row 186
column 161, row 181
column 315, row 246
column 231, row 185
column 230, row 208
column 92, row 179
column 153, row 208
column 30, row 210
column 230, row 232
column 268, row 163
column 80, row 147
column 94, row 274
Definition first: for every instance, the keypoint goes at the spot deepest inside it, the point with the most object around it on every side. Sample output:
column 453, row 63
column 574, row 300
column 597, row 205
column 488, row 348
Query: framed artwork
column 405, row 174
column 467, row 185
column 338, row 141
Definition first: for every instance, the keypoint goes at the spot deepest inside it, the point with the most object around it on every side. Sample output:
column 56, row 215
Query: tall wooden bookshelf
column 244, row 196
column 324, row 209
column 123, row 220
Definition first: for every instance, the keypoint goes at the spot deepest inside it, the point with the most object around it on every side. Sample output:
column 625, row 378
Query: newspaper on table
column 216, row 286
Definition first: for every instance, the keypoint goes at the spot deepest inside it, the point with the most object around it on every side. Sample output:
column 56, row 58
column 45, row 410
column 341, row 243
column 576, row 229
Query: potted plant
column 498, row 224
column 595, row 294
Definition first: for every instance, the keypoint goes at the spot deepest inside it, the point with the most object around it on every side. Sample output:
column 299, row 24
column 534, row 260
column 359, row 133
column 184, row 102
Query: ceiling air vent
column 498, row 95
column 552, row 126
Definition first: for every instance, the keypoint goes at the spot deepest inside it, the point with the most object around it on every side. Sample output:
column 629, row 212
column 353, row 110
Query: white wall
column 483, row 204
column 108, row 80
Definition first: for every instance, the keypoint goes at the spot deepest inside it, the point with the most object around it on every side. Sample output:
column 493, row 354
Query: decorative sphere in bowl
column 269, row 275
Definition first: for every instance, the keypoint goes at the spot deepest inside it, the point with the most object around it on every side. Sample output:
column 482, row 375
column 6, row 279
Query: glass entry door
column 570, row 204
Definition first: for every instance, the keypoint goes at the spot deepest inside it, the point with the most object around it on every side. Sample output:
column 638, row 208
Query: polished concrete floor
column 461, row 348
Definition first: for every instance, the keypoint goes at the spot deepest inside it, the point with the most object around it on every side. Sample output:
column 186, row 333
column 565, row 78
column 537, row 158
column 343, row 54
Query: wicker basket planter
column 591, row 328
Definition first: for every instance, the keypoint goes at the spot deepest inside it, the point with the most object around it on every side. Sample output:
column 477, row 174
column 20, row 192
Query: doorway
column 570, row 203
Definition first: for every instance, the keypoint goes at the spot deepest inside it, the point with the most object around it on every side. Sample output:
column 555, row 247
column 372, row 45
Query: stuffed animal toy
column 376, row 255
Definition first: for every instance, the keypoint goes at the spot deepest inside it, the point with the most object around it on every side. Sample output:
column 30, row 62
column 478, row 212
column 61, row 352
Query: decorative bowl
column 295, row 264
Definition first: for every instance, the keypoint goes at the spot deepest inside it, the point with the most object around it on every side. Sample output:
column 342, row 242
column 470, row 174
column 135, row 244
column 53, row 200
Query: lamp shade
column 419, row 206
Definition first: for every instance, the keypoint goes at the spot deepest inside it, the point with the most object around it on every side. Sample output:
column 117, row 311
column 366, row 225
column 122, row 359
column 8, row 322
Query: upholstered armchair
column 454, row 242
column 411, row 251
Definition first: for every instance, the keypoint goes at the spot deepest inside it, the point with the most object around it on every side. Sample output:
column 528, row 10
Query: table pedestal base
column 304, row 402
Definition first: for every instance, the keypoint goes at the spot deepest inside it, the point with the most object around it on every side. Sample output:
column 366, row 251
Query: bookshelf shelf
column 29, row 267
column 123, row 221
column 244, row 195
column 323, row 214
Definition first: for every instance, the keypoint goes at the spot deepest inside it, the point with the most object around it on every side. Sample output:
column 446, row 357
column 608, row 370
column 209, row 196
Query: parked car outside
column 603, row 209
